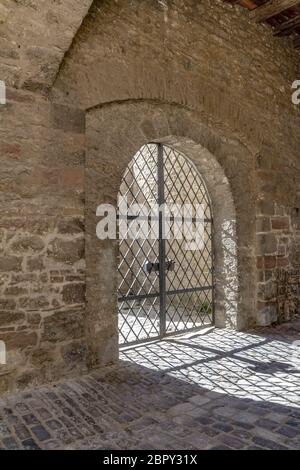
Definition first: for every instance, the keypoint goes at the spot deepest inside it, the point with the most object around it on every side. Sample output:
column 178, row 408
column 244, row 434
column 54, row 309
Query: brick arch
column 114, row 133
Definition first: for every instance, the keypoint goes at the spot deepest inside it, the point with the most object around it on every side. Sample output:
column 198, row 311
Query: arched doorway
column 229, row 183
column 165, row 268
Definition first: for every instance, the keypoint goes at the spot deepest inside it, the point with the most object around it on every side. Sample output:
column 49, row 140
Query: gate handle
column 170, row 265
column 149, row 266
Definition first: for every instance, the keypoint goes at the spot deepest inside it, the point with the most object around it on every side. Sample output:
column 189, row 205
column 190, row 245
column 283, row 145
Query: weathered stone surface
column 266, row 244
column 41, row 54
column 7, row 304
column 15, row 291
column 74, row 353
column 263, row 224
column 295, row 254
column 27, row 244
column 26, row 378
column 5, row 385
column 68, row 119
column 4, row 12
column 280, row 223
column 9, row 317
column 42, row 357
column 270, row 262
column 70, row 226
column 34, row 319
column 19, row 340
column 73, row 293
column 33, row 303
column 267, row 314
column 67, row 251
column 10, row 263
column 62, row 326
column 35, row 263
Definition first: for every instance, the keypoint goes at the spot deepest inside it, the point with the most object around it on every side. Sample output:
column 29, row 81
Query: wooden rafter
column 271, row 9
column 282, row 15
column 250, row 4
column 288, row 26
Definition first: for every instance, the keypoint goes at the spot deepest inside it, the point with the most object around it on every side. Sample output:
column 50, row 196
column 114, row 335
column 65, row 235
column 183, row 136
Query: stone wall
column 278, row 251
column 234, row 73
column 197, row 74
column 42, row 267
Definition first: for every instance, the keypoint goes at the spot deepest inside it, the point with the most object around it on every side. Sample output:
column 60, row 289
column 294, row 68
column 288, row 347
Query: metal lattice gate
column 164, row 286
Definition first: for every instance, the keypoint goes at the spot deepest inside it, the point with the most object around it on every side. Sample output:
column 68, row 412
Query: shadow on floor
column 225, row 390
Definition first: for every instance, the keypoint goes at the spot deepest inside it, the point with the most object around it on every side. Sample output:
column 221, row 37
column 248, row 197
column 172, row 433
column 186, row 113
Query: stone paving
column 144, row 323
column 212, row 390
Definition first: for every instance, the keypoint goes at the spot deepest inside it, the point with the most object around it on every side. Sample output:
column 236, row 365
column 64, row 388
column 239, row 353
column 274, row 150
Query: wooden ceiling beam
column 286, row 28
column 272, row 8
column 247, row 4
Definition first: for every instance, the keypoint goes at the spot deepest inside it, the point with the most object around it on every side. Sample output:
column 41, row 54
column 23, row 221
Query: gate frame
column 160, row 183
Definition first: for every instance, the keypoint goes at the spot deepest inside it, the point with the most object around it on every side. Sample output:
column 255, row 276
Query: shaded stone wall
column 34, row 36
column 199, row 71
column 278, row 251
column 42, row 267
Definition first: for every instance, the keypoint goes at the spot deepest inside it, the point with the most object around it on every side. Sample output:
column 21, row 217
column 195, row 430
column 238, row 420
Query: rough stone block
column 74, row 353
column 33, row 303
column 66, row 226
column 263, row 224
column 15, row 291
column 266, row 244
column 68, row 119
column 27, row 244
column 4, row 12
column 270, row 262
column 266, row 315
column 62, row 326
column 10, row 263
column 19, row 339
column 10, row 317
column 42, row 356
column 73, row 293
column 35, row 263
column 280, row 223
column 66, row 251
column 266, row 207
column 7, row 304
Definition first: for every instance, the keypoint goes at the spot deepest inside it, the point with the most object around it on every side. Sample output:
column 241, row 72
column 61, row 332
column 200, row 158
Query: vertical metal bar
column 212, row 228
column 161, row 241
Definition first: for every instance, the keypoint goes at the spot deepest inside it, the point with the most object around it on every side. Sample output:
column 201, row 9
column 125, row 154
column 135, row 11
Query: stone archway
column 114, row 133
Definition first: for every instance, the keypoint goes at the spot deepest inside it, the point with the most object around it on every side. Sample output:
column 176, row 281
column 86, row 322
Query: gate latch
column 170, row 265
column 149, row 266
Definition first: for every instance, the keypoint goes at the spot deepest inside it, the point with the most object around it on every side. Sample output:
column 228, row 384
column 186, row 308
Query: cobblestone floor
column 222, row 390
column 134, row 324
